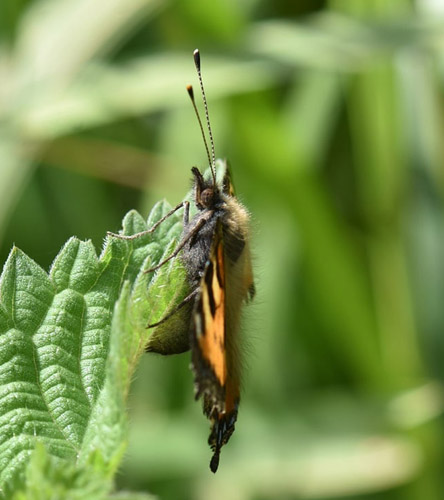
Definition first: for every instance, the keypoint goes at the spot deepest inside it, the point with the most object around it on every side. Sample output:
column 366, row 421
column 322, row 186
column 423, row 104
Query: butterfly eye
column 206, row 197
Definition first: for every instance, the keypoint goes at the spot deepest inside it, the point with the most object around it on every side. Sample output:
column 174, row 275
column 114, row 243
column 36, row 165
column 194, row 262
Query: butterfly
column 214, row 250
column 219, row 262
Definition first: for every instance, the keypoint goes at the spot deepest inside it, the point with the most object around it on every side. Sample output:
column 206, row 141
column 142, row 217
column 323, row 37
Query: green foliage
column 47, row 478
column 331, row 114
column 70, row 341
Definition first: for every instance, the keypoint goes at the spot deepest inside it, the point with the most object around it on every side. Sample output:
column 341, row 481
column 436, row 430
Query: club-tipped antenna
column 196, row 55
column 193, row 102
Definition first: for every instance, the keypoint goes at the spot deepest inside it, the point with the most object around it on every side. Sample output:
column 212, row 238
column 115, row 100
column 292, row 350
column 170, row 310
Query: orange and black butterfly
column 214, row 249
column 218, row 263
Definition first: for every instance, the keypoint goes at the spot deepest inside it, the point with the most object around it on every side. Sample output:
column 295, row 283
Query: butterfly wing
column 209, row 325
column 211, row 367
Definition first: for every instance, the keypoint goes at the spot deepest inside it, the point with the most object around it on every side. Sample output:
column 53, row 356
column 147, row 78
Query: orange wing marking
column 212, row 342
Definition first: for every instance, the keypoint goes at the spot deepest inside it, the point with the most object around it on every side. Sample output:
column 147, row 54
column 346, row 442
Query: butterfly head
column 206, row 193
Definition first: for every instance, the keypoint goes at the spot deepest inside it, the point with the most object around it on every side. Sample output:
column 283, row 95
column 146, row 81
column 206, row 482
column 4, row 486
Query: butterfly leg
column 186, row 212
column 155, row 226
column 185, row 301
column 179, row 247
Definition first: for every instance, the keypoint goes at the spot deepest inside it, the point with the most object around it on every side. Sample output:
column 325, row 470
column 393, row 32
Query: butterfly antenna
column 196, row 55
column 193, row 102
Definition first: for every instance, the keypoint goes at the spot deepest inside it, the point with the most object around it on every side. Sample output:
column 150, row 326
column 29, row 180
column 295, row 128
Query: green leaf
column 69, row 343
column 48, row 478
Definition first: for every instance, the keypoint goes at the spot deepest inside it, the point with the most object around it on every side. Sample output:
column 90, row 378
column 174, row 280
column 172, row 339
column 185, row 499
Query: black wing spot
column 208, row 282
column 234, row 244
column 251, row 291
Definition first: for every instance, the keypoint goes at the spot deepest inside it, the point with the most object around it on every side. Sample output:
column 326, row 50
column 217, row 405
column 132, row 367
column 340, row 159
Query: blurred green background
column 331, row 114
